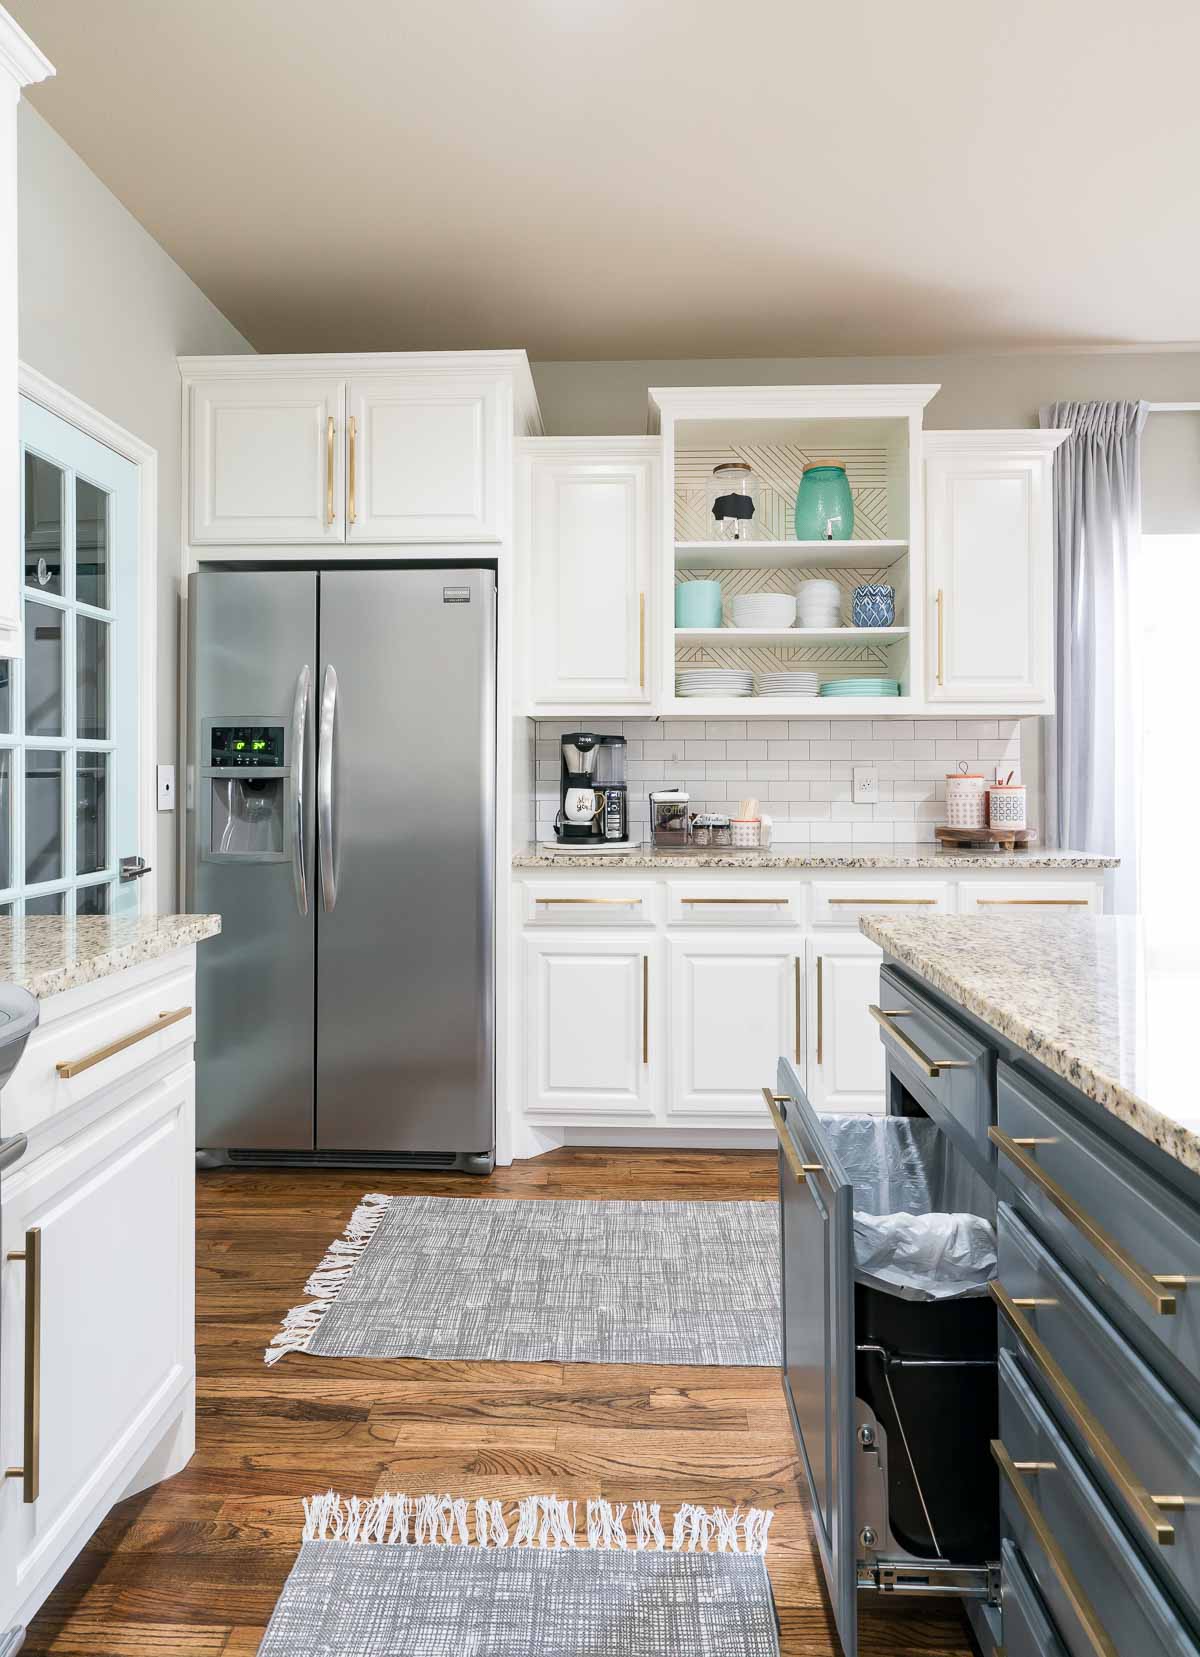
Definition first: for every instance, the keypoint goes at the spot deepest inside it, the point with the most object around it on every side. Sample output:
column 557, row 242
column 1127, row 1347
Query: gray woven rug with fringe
column 398, row 1577
column 521, row 1281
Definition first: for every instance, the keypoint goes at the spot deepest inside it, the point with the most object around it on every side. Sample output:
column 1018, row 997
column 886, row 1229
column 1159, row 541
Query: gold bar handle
column 1093, row 1628
column 790, row 1154
column 774, row 901
column 1033, row 903
column 642, row 640
column 796, row 1033
column 908, row 902
column 1147, row 1285
column 625, row 903
column 645, row 1009
column 932, row 1067
column 329, row 471
column 1144, row 1505
column 75, row 1067
column 29, row 1471
column 941, row 603
column 820, row 1009
column 352, row 427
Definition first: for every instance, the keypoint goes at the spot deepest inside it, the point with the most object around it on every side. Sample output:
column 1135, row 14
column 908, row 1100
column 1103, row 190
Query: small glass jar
column 733, row 500
column 670, row 820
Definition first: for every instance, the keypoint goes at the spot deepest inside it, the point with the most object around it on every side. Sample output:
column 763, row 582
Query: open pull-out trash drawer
column 889, row 1352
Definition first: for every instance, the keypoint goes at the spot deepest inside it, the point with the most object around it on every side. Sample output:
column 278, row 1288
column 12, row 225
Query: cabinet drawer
column 1097, row 1589
column 1131, row 1433
column 1028, row 897
column 739, row 903
column 590, row 903
column 1028, row 1631
column 1127, row 1238
column 944, row 1067
column 838, row 903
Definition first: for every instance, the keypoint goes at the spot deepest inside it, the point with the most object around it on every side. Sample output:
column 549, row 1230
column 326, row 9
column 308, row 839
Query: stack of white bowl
column 818, row 604
column 775, row 610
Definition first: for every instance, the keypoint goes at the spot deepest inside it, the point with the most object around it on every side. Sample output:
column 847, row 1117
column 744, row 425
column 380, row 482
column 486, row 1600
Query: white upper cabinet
column 591, row 509
column 990, row 568
column 425, row 460
column 267, row 460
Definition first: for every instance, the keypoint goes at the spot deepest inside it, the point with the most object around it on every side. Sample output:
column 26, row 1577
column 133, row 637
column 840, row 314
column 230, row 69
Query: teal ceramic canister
column 824, row 504
column 698, row 604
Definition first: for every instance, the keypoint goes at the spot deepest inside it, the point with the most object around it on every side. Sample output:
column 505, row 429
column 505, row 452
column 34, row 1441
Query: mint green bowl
column 698, row 604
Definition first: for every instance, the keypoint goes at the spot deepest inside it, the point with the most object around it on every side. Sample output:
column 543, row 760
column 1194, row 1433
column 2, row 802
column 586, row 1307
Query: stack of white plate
column 785, row 683
column 762, row 610
column 712, row 681
column 818, row 604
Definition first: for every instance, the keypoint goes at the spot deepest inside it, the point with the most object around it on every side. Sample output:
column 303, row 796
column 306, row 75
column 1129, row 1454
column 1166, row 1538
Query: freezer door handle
column 325, row 791
column 299, row 722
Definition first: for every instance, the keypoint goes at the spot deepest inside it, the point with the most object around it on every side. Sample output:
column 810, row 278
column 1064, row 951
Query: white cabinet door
column 844, row 1067
column 734, row 1009
column 427, row 460
column 591, row 1027
column 267, row 460
column 114, row 1207
column 591, row 522
column 990, row 569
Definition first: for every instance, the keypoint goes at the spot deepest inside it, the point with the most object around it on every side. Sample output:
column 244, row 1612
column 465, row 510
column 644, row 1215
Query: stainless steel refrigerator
column 340, row 819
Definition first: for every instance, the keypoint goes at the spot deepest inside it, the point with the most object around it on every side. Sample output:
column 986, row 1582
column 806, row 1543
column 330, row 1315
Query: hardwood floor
column 193, row 1567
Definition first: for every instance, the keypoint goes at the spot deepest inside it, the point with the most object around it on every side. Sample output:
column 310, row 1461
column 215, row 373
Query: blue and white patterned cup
column 873, row 605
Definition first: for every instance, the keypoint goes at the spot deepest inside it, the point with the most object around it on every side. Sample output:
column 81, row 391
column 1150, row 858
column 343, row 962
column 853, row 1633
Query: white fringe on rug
column 542, row 1521
column 302, row 1322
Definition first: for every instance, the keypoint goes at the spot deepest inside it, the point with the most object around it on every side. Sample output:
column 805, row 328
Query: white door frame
column 93, row 424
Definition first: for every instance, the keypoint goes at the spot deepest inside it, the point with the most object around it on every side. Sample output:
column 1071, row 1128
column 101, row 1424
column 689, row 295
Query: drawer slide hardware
column 1093, row 1628
column 883, row 1016
column 791, row 1155
column 67, row 1068
column 1144, row 1505
column 910, row 1576
column 31, row 1453
column 1151, row 1287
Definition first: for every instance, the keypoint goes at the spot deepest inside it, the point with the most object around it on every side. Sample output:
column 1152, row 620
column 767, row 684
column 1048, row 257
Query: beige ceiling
column 652, row 178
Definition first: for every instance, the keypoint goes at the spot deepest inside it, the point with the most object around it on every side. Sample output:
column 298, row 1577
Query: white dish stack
column 818, row 604
column 787, row 683
column 713, row 681
column 766, row 610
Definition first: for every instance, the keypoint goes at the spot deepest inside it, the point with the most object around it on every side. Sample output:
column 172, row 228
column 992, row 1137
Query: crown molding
column 1027, row 439
column 787, row 402
column 21, row 60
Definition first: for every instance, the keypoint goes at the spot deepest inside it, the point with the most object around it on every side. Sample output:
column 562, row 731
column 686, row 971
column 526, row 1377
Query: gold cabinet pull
column 1144, row 1505
column 940, row 645
column 796, row 1039
column 790, row 1154
column 31, row 1453
column 645, row 1009
column 1147, row 1285
column 775, row 901
column 820, row 1009
column 352, row 428
column 626, row 903
column 1032, row 903
column 329, row 471
column 74, row 1067
column 1011, row 1471
column 919, row 902
column 931, row 1067
column 642, row 640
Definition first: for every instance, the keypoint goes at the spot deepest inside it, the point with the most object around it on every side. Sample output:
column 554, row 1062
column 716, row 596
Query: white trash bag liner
column 924, row 1220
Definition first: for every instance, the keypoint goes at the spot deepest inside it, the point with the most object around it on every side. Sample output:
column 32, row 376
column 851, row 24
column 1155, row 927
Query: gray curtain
column 1091, row 743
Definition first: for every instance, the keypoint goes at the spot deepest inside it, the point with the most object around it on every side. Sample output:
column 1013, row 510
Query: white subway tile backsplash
column 801, row 769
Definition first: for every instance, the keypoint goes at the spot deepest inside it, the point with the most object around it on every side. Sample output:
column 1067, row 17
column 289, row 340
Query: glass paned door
column 68, row 712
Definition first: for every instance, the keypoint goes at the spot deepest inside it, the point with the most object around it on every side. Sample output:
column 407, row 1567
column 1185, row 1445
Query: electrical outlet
column 866, row 785
column 166, row 787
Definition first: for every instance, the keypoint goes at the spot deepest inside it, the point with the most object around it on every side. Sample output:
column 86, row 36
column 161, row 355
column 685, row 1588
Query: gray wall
column 610, row 397
column 103, row 313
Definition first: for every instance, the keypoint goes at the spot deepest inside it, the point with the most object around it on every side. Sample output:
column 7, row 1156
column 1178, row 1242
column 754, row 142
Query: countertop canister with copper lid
column 966, row 800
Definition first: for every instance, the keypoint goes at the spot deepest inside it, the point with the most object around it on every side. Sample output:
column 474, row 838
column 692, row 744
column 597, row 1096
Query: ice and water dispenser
column 245, row 790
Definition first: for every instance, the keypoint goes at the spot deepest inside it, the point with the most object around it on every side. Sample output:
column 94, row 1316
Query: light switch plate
column 866, row 785
column 166, row 787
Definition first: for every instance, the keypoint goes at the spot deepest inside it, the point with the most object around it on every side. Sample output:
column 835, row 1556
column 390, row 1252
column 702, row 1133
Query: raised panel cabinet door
column 592, row 1034
column 844, row 1059
column 990, row 569
column 734, row 1006
column 589, row 577
column 427, row 460
column 115, row 1211
column 267, row 460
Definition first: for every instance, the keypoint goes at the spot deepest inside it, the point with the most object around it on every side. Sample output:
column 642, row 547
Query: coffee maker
column 593, row 804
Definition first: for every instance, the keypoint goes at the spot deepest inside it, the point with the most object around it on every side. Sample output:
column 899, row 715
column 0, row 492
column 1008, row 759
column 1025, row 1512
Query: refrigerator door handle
column 325, row 790
column 299, row 722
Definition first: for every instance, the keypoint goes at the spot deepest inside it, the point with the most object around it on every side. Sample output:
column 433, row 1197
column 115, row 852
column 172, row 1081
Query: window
column 68, row 717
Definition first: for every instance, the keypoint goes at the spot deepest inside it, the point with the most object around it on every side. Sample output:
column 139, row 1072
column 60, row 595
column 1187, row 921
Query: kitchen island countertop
column 1082, row 995
column 920, row 854
column 47, row 954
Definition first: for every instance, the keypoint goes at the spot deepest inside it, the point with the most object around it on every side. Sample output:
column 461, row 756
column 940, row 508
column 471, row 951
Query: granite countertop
column 899, row 854
column 46, row 954
column 1081, row 994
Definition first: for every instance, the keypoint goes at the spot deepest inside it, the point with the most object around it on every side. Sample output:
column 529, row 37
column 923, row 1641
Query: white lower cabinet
column 593, row 1024
column 843, row 1057
column 734, row 1006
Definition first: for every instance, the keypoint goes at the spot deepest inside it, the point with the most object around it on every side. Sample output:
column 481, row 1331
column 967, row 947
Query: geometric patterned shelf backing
column 778, row 467
column 764, row 658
